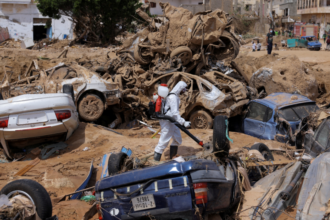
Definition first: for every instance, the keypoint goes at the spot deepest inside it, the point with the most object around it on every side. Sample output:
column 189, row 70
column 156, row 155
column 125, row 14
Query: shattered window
column 205, row 88
column 288, row 114
column 323, row 134
column 304, row 110
column 256, row 111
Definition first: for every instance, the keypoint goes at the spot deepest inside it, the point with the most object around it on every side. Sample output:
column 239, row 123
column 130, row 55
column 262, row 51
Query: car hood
column 28, row 97
column 171, row 168
column 314, row 43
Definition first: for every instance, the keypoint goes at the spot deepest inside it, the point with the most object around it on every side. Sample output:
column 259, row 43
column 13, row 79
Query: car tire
column 116, row 162
column 201, row 120
column 220, row 141
column 35, row 191
column 68, row 89
column 139, row 58
column 264, row 150
column 90, row 107
column 184, row 53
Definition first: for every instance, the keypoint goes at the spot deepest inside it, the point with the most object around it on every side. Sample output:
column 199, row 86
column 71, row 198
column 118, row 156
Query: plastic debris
column 89, row 198
column 52, row 149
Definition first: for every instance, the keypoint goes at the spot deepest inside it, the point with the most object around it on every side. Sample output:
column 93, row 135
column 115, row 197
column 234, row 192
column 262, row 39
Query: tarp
column 315, row 191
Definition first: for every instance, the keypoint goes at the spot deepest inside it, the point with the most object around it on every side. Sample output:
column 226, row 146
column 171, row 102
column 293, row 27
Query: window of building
column 200, row 3
column 328, row 2
column 286, row 12
column 152, row 4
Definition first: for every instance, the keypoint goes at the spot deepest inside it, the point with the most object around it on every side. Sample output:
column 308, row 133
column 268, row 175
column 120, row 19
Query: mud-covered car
column 206, row 97
column 92, row 94
column 179, row 36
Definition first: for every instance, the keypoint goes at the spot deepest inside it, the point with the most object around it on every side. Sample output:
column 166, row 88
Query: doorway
column 39, row 32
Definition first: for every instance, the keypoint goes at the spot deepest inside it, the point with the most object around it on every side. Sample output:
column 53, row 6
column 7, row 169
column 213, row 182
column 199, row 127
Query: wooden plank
column 28, row 69
column 27, row 167
column 36, row 64
column 268, row 163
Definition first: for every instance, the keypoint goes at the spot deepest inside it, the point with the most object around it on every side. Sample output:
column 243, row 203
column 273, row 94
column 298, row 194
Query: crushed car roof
column 282, row 99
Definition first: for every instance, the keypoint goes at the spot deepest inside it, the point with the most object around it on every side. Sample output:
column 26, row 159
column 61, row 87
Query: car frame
column 31, row 119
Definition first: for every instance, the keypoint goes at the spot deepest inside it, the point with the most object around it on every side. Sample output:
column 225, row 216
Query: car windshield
column 297, row 112
column 323, row 133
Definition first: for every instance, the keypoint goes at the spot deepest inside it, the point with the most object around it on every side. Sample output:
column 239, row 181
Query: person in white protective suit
column 169, row 130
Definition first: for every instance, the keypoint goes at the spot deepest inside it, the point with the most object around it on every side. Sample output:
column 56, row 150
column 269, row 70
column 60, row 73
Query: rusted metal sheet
column 4, row 34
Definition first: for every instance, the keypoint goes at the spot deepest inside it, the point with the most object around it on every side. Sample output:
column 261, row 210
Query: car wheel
column 34, row 192
column 91, row 107
column 143, row 60
column 220, row 141
column 116, row 162
column 184, row 53
column 68, row 89
column 201, row 120
column 264, row 150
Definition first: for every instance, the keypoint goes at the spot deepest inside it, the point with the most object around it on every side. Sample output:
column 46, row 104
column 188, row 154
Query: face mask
column 271, row 31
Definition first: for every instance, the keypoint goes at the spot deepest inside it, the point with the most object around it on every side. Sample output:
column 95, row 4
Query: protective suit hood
column 179, row 87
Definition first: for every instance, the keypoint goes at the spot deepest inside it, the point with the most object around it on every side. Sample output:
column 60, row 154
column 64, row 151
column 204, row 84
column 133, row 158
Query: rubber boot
column 157, row 156
column 173, row 151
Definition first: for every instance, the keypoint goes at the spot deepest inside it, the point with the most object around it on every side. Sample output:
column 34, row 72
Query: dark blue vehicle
column 173, row 190
column 277, row 116
column 312, row 42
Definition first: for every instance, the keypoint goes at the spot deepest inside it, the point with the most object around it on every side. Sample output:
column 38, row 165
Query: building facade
column 25, row 22
column 316, row 12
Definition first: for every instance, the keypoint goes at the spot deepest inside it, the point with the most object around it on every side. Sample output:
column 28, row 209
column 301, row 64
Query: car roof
column 307, row 36
column 282, row 99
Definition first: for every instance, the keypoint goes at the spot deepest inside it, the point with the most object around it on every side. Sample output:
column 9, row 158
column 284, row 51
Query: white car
column 31, row 119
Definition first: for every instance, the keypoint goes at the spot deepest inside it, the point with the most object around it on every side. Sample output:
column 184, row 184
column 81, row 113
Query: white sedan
column 31, row 119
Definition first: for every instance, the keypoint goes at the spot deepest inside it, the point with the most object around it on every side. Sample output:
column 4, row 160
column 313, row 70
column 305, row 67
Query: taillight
column 62, row 114
column 200, row 193
column 4, row 122
column 99, row 212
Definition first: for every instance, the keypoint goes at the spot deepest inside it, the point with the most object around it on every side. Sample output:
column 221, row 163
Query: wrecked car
column 31, row 119
column 277, row 116
column 92, row 94
column 313, row 201
column 175, row 189
column 183, row 38
column 207, row 96
column 271, row 195
column 314, row 133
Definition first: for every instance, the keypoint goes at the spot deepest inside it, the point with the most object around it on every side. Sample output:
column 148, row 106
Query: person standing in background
column 269, row 40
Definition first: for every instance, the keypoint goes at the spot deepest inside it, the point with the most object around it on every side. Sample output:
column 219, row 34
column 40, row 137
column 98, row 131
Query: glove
column 187, row 124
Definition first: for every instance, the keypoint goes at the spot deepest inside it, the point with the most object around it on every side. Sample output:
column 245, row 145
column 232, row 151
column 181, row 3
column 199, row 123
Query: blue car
column 173, row 190
column 277, row 116
column 312, row 42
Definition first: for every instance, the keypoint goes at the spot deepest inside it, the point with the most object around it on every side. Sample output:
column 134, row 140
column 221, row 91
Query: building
column 25, row 22
column 290, row 13
column 194, row 6
column 315, row 12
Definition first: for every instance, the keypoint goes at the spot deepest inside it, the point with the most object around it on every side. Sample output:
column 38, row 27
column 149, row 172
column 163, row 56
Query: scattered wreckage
column 183, row 38
column 35, row 118
column 25, row 199
column 92, row 94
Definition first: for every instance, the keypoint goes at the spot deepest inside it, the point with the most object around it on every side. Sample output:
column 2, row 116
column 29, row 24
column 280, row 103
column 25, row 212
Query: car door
column 254, row 122
column 321, row 139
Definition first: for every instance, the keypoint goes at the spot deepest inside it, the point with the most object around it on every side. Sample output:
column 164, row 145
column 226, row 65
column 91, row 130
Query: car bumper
column 26, row 136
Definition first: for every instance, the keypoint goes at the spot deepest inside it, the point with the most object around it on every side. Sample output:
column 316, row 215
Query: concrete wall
column 19, row 20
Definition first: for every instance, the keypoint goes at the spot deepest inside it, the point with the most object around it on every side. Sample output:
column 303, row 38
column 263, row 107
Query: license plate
column 32, row 118
column 143, row 202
